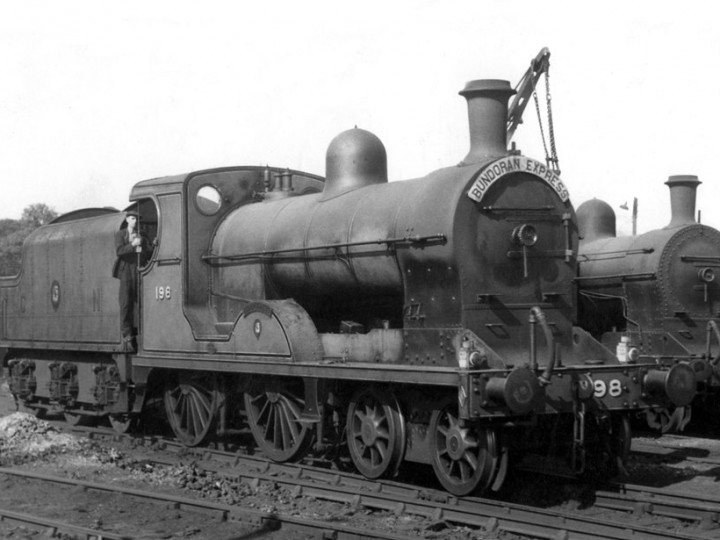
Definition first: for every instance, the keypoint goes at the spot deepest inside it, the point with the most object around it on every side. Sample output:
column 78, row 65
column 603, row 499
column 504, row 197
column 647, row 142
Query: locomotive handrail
column 698, row 258
column 439, row 238
column 638, row 251
column 168, row 261
column 517, row 254
column 518, row 209
column 645, row 275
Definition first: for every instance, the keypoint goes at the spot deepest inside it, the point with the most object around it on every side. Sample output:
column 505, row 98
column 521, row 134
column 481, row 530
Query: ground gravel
column 32, row 444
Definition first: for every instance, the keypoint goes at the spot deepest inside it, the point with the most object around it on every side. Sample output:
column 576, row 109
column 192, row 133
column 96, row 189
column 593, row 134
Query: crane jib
column 516, row 164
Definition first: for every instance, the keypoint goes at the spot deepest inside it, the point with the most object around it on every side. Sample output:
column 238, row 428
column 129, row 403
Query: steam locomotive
column 429, row 320
column 654, row 296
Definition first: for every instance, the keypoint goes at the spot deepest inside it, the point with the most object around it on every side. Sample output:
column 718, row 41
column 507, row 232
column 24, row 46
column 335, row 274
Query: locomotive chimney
column 487, row 111
column 682, row 198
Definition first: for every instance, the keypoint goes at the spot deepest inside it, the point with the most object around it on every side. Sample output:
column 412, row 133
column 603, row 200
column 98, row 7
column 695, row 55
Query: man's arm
column 122, row 247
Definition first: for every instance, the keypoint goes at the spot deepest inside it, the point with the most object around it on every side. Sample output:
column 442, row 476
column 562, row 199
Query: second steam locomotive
column 654, row 296
column 431, row 320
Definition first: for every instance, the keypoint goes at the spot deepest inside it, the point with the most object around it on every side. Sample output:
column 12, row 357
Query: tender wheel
column 375, row 433
column 75, row 419
column 37, row 411
column 464, row 458
column 122, row 423
column 274, row 409
column 190, row 404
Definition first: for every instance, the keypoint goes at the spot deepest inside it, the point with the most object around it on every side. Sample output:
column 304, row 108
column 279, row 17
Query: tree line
column 14, row 231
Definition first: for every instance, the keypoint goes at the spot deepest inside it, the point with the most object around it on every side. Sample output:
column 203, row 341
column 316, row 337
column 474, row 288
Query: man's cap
column 124, row 223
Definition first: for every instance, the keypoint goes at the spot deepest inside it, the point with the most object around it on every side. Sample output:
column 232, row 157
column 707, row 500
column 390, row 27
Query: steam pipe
column 533, row 350
column 536, row 315
column 712, row 327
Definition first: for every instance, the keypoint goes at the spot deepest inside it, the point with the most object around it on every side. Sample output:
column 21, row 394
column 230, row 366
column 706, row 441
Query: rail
column 270, row 254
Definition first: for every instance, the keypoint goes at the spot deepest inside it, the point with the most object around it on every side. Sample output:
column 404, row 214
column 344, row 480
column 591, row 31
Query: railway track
column 259, row 520
column 622, row 511
column 679, row 447
column 52, row 528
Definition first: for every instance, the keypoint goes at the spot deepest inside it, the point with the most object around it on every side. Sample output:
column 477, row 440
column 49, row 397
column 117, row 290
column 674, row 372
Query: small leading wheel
column 274, row 409
column 122, row 423
column 191, row 402
column 668, row 421
column 375, row 433
column 463, row 458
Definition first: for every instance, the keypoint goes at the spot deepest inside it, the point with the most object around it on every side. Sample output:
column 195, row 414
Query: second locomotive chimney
column 487, row 101
column 682, row 198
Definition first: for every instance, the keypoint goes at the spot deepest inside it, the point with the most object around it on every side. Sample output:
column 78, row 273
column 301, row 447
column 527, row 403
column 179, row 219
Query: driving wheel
column 274, row 409
column 191, row 401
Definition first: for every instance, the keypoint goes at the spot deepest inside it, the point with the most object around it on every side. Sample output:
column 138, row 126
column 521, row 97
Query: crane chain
column 551, row 157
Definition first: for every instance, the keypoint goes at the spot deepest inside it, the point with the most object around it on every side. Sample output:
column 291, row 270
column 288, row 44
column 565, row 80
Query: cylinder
column 679, row 384
column 519, row 391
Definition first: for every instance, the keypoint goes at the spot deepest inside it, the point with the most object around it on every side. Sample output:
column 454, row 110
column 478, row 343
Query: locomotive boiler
column 654, row 295
column 429, row 320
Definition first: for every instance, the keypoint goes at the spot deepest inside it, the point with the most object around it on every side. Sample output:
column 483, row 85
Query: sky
column 96, row 96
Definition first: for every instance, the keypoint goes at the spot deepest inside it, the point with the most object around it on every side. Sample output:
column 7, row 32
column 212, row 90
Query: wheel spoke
column 471, row 460
column 257, row 398
column 281, row 428
column 382, row 449
column 196, row 415
column 289, row 423
column 465, row 471
column 184, row 411
column 201, row 402
column 181, row 408
column 267, row 424
column 265, row 411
